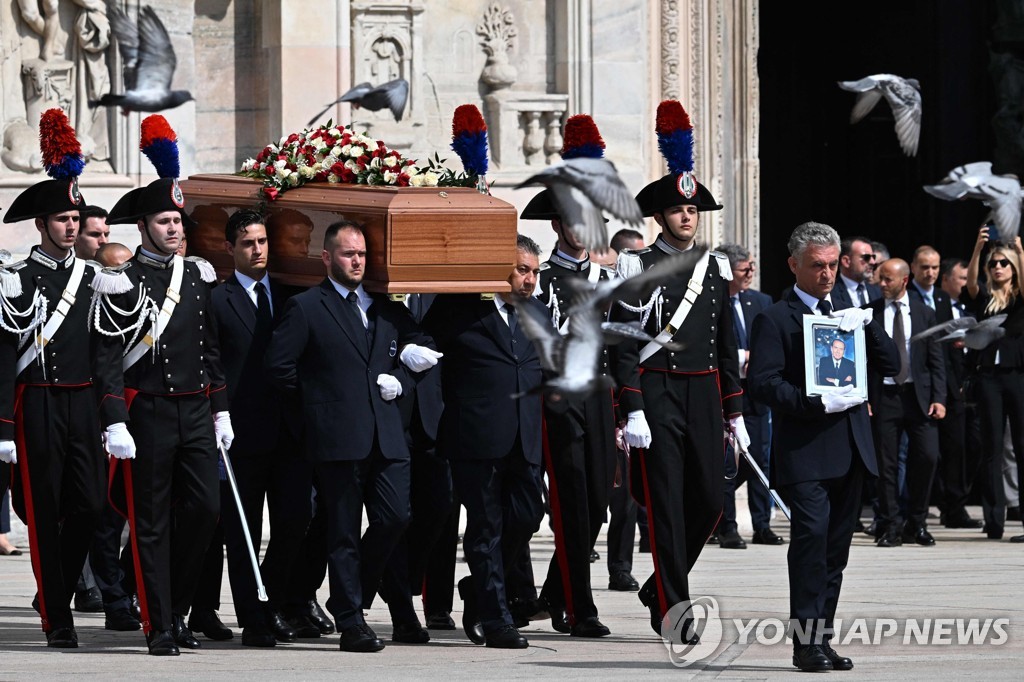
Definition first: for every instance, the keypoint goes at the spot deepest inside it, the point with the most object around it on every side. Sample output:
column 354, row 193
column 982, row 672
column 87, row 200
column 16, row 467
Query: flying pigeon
column 581, row 188
column 149, row 64
column 903, row 96
column 975, row 335
column 573, row 358
column 393, row 95
column 1001, row 193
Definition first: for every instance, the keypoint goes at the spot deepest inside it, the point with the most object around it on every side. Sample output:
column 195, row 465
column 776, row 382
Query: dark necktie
column 862, row 294
column 824, row 306
column 737, row 322
column 899, row 337
column 512, row 320
column 353, row 298
column 264, row 318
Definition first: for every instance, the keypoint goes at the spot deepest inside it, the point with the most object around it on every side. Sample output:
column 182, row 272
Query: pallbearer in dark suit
column 492, row 440
column 339, row 347
column 266, row 454
column 822, row 444
column 911, row 402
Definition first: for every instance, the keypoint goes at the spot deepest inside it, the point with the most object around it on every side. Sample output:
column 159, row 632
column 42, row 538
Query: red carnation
column 403, row 180
column 671, row 117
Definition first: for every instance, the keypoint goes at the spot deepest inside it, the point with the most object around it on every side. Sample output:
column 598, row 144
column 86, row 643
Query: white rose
column 390, row 177
column 346, row 149
column 283, row 141
column 282, row 173
column 317, row 167
column 306, row 172
column 430, row 179
column 390, row 161
column 293, row 179
column 249, row 164
column 351, row 165
column 416, row 180
column 336, row 152
column 319, row 143
column 375, row 162
column 356, row 151
column 332, row 178
column 279, row 164
column 334, row 132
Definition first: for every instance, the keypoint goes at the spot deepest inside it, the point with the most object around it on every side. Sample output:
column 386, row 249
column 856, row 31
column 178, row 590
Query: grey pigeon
column 149, row 64
column 582, row 188
column 573, row 359
column 392, row 95
column 975, row 335
column 1001, row 193
column 904, row 98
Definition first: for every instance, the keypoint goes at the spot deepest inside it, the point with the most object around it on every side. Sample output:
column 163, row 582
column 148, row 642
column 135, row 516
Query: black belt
column 897, row 389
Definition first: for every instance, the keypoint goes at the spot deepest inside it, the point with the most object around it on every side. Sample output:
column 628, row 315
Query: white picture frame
column 830, row 366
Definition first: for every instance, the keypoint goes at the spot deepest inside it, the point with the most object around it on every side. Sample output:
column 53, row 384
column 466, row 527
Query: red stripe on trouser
column 30, row 513
column 662, row 601
column 556, row 519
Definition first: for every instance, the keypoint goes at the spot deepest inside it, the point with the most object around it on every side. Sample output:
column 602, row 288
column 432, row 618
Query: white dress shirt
column 810, row 301
column 851, row 287
column 502, row 307
column 249, row 284
column 890, row 315
column 364, row 301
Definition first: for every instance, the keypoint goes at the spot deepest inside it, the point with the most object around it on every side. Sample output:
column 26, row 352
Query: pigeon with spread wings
column 1001, row 193
column 149, row 63
column 573, row 359
column 904, row 98
column 975, row 335
column 391, row 95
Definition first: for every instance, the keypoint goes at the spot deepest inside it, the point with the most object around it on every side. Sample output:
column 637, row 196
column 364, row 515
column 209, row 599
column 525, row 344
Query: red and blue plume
column 160, row 145
column 582, row 138
column 469, row 139
column 675, row 136
column 62, row 153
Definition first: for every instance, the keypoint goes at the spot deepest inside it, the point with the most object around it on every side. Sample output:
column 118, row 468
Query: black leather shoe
column 992, row 532
column 891, row 538
column 838, row 662
column 731, row 540
column 507, row 637
column 161, row 643
column 360, row 639
column 873, row 530
column 919, row 535
column 525, row 610
column 470, row 621
column 89, row 601
column 304, row 627
column 766, row 536
column 622, row 581
column 62, row 638
column 279, row 627
column 410, row 633
column 559, row 622
column 208, row 622
column 811, row 659
column 1017, row 539
column 590, row 627
column 440, row 621
column 650, row 600
column 121, row 620
column 594, row 556
column 258, row 636
column 312, row 610
column 859, row 527
column 961, row 520
column 183, row 636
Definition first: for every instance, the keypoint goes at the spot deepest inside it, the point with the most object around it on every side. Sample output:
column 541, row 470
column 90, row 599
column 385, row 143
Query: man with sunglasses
column 856, row 266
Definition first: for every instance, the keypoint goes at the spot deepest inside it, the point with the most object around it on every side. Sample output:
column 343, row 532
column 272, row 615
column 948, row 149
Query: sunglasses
column 1001, row 262
column 867, row 257
column 747, row 270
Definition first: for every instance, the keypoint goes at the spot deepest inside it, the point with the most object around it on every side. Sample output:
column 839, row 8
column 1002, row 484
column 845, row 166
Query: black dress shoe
column 507, row 637
column 994, row 533
column 650, row 600
column 89, row 601
column 161, row 643
column 838, row 662
column 594, row 556
column 440, row 621
column 731, row 540
column 873, row 530
column 858, row 527
column 62, row 638
column 1017, row 539
column 961, row 520
column 590, row 627
column 919, row 535
column 304, row 627
column 528, row 609
column 258, row 636
column 811, row 659
column 122, row 620
column 208, row 622
column 312, row 611
column 622, row 581
column 410, row 633
column 360, row 639
column 182, row 634
column 766, row 536
column 560, row 622
column 470, row 621
column 279, row 627
column 890, row 538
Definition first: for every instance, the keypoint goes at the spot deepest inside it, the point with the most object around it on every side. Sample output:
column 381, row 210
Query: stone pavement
column 964, row 576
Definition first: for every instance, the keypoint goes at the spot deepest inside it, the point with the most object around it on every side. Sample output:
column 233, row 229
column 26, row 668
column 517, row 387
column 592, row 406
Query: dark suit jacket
column 927, row 364
column 260, row 413
column 827, row 370
column 803, row 435
column 841, row 296
column 320, row 349
column 752, row 302
column 426, row 403
column 480, row 374
column 954, row 357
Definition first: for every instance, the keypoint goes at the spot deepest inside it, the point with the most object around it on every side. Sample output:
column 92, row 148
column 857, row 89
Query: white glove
column 637, row 433
column 852, row 318
column 419, row 358
column 390, row 387
column 840, row 401
column 8, row 452
column 738, row 430
column 222, row 430
column 118, row 442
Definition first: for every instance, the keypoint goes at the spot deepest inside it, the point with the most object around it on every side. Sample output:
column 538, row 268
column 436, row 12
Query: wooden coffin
column 419, row 239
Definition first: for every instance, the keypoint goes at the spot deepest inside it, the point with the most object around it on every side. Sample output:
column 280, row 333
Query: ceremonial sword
column 261, row 591
column 760, row 475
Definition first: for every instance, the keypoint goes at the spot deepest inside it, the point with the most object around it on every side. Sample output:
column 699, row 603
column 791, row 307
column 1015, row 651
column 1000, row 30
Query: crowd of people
column 334, row 403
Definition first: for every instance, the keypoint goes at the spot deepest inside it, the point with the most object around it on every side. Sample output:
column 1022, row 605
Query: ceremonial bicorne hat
column 680, row 186
column 160, row 145
column 63, row 161
column 581, row 138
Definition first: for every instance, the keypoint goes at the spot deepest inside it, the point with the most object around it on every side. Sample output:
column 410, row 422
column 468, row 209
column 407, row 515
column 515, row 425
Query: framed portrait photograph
column 834, row 359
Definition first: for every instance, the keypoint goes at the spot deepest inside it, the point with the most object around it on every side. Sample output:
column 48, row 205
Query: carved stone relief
column 497, row 31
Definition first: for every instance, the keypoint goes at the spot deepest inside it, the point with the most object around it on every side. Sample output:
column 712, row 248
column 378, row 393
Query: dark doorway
column 816, row 166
